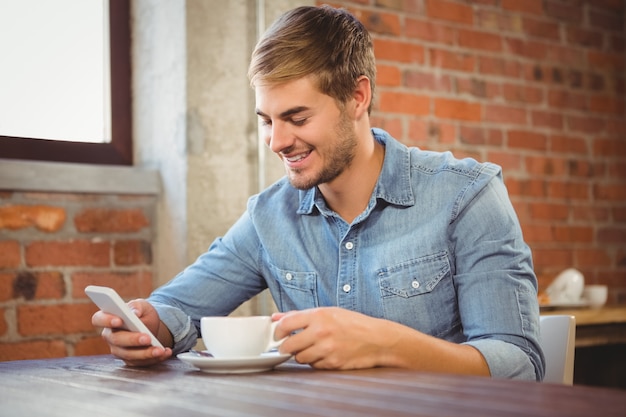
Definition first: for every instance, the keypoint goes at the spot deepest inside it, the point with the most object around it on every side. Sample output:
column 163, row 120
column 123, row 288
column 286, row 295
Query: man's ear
column 362, row 96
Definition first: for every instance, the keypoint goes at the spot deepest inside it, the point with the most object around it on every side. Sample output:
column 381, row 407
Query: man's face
column 313, row 137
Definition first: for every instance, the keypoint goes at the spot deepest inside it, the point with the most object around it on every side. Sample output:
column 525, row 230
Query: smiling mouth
column 297, row 158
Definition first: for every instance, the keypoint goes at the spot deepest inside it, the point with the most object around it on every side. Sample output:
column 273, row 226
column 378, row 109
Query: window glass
column 65, row 81
column 54, row 78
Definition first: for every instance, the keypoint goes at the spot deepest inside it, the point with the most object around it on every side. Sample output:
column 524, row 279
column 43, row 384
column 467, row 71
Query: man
column 376, row 254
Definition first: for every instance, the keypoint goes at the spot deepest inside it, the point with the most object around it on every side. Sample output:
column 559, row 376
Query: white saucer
column 264, row 362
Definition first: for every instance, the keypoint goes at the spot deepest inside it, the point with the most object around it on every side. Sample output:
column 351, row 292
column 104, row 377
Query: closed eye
column 299, row 122
column 287, row 116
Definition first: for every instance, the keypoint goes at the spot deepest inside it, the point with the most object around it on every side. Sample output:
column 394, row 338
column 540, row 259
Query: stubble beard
column 340, row 159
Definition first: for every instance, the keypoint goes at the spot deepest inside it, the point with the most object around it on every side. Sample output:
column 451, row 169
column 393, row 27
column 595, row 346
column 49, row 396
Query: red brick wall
column 51, row 247
column 536, row 86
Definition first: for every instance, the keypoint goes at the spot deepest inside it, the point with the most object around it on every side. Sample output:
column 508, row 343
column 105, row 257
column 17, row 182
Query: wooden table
column 102, row 386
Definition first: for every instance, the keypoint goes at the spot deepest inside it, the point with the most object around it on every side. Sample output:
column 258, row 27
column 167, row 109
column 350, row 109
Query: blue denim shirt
column 438, row 248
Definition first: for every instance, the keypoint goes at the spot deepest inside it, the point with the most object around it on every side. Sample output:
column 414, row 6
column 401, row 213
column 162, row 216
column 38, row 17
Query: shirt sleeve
column 497, row 287
column 216, row 284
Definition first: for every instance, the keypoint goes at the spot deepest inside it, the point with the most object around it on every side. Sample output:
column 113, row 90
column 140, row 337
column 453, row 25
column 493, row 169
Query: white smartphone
column 110, row 302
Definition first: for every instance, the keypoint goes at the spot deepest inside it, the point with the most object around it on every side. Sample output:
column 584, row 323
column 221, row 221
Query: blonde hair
column 328, row 43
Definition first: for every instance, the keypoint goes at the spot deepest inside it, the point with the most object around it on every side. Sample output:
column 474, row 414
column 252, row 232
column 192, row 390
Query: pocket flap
column 414, row 277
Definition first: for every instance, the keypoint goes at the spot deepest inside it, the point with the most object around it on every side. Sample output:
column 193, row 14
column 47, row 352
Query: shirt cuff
column 179, row 325
column 505, row 360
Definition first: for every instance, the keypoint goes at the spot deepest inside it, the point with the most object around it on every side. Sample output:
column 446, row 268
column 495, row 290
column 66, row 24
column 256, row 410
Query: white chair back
column 558, row 335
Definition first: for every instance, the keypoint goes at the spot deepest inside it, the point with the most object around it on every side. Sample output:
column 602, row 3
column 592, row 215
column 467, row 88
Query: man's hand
column 331, row 338
column 132, row 347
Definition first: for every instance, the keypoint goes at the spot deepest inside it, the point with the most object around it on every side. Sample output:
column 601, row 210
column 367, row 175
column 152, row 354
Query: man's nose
column 280, row 137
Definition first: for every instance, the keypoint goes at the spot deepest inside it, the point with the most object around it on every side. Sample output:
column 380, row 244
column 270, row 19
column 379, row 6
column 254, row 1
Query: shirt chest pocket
column 296, row 290
column 415, row 277
column 420, row 293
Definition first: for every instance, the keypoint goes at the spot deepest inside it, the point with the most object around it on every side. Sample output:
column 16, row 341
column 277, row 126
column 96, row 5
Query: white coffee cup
column 595, row 295
column 239, row 337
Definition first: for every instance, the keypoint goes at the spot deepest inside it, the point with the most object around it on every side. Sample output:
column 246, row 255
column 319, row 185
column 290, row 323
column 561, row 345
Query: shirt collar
column 394, row 182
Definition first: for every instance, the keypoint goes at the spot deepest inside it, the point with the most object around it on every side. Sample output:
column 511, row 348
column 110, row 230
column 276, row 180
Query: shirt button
column 288, row 276
column 415, row 284
column 349, row 245
column 346, row 288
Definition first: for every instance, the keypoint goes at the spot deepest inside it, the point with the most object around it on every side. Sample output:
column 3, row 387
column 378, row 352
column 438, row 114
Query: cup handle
column 273, row 343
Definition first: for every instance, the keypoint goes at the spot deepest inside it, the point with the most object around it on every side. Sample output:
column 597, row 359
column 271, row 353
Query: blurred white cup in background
column 567, row 287
column 595, row 295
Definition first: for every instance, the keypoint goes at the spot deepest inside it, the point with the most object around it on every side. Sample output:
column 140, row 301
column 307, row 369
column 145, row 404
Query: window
column 110, row 141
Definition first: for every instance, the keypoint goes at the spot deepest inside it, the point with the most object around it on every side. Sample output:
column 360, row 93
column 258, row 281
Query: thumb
column 136, row 307
column 278, row 316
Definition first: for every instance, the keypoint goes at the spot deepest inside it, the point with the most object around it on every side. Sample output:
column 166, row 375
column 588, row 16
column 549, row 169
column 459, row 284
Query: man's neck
column 349, row 194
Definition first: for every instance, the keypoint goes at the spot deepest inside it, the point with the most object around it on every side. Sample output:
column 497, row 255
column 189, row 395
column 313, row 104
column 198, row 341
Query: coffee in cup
column 238, row 337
